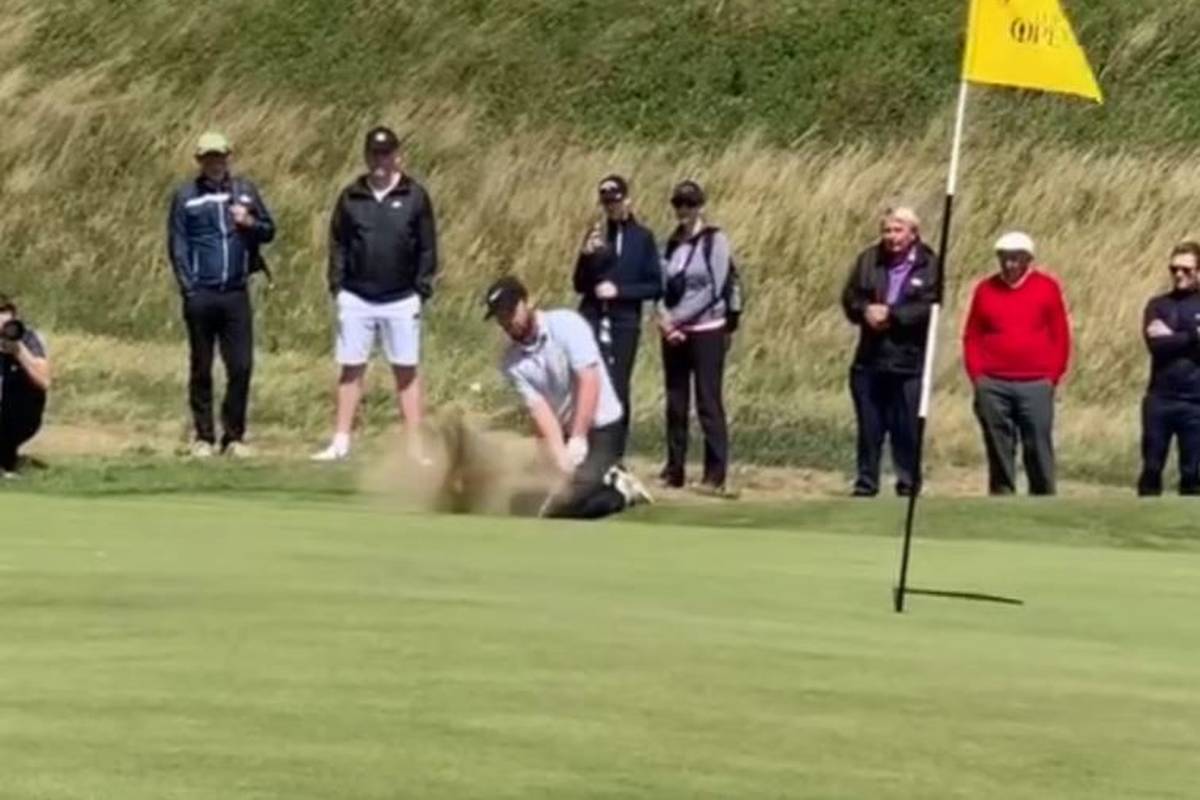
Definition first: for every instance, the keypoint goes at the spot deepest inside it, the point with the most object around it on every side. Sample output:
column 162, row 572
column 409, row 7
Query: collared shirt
column 898, row 275
column 381, row 194
column 545, row 369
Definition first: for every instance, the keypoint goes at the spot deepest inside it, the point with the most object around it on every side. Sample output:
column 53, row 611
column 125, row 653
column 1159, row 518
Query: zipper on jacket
column 224, row 243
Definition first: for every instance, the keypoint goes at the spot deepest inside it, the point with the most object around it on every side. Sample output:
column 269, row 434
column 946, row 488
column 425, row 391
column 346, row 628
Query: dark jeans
column 588, row 496
column 620, row 355
column 224, row 321
column 20, row 420
column 1162, row 419
column 1012, row 410
column 698, row 361
column 885, row 405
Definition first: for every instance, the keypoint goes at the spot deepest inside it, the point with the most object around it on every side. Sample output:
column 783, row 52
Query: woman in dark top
column 618, row 270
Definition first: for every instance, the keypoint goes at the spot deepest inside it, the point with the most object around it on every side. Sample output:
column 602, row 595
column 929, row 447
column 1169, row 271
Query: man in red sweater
column 1016, row 346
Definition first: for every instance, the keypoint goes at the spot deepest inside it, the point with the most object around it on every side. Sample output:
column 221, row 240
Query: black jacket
column 1175, row 359
column 636, row 271
column 385, row 250
column 900, row 347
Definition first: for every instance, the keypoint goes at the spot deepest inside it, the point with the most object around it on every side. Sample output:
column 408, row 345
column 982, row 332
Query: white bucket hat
column 1015, row 242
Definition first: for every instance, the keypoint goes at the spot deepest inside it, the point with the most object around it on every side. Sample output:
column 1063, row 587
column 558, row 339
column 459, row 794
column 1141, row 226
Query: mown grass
column 196, row 647
column 105, row 99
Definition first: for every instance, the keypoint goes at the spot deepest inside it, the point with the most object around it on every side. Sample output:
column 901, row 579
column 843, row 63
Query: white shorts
column 360, row 322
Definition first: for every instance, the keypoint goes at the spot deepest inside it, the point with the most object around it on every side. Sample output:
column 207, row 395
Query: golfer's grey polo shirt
column 545, row 369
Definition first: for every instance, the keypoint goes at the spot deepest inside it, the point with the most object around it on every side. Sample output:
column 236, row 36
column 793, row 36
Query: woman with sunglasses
column 692, row 321
column 618, row 269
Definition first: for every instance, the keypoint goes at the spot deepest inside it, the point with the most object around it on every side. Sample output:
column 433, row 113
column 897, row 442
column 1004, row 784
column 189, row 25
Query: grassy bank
column 104, row 101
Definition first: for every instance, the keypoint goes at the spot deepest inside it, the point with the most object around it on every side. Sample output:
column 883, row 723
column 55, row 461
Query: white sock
column 341, row 442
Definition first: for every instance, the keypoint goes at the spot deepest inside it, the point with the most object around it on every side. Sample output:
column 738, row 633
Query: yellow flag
column 1029, row 44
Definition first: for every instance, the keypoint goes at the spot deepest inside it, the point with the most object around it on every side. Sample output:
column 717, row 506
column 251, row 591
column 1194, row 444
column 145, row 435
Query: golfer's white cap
column 1015, row 242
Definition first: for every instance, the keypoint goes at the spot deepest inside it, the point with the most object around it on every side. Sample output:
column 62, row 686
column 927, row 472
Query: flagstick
column 935, row 313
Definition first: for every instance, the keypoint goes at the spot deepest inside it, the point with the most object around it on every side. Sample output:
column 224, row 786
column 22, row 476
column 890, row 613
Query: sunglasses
column 1178, row 270
column 611, row 196
column 680, row 202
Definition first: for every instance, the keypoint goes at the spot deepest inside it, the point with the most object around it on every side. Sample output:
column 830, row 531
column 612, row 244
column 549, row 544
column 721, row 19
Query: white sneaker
column 239, row 450
column 201, row 449
column 9, row 476
column 331, row 453
column 633, row 490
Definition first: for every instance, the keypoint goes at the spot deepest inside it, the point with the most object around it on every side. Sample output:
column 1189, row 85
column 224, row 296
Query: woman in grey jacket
column 692, row 321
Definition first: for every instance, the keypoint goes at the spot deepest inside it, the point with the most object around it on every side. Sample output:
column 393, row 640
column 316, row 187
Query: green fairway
column 197, row 647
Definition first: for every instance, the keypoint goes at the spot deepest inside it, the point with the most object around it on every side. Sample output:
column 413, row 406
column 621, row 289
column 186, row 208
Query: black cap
column 382, row 138
column 614, row 187
column 688, row 193
column 503, row 296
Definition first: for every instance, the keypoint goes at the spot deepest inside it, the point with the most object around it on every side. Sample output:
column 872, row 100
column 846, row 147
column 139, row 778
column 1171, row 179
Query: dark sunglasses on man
column 1179, row 269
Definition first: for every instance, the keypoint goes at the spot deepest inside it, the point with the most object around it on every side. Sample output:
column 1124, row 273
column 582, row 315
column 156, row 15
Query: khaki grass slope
column 101, row 104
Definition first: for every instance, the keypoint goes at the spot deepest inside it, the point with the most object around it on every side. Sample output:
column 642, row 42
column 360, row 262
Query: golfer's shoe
column 9, row 476
column 239, row 450
column 331, row 453
column 201, row 449
column 625, row 482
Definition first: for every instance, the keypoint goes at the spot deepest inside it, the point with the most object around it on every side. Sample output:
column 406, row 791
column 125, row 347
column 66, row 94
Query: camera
column 12, row 331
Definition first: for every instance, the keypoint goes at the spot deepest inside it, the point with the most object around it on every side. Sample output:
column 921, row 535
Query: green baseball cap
column 213, row 142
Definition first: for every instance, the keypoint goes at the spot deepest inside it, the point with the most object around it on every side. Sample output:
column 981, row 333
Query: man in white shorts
column 553, row 361
column 382, row 263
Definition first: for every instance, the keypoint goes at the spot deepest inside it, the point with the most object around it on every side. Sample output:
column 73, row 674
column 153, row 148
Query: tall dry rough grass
column 87, row 165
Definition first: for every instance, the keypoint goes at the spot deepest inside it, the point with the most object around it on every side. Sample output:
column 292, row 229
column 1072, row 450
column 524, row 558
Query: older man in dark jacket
column 888, row 295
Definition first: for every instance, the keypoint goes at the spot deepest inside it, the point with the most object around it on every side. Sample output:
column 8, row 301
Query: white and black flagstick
column 927, row 372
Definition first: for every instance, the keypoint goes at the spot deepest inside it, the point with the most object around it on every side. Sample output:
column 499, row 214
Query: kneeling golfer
column 555, row 364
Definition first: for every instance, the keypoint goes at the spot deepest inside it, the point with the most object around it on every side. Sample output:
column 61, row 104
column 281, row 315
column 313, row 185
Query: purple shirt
column 898, row 274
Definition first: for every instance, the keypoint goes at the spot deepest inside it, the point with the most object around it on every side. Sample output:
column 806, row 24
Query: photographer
column 24, row 381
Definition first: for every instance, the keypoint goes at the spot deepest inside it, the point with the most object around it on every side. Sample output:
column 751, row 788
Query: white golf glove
column 577, row 451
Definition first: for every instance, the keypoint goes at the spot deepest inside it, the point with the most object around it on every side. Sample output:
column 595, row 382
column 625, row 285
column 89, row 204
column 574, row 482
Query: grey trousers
column 1009, row 411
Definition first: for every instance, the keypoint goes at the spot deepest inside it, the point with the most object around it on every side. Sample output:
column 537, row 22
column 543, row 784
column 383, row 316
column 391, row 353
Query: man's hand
column 565, row 463
column 876, row 316
column 242, row 216
column 1158, row 329
column 606, row 290
column 9, row 347
column 577, row 451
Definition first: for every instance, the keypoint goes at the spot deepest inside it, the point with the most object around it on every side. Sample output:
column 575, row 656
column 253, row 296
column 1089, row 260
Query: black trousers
column 220, row 321
column 20, row 420
column 620, row 354
column 885, row 406
column 1009, row 411
column 700, row 362
column 1164, row 419
column 588, row 495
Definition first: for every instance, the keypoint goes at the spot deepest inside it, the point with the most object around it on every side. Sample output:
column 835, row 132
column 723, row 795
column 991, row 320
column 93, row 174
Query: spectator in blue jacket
column 217, row 224
column 618, row 270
